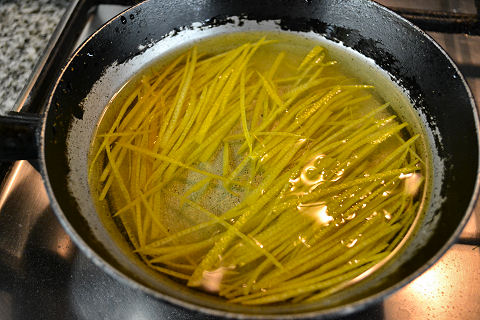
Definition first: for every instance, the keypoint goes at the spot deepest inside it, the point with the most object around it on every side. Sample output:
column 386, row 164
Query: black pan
column 118, row 50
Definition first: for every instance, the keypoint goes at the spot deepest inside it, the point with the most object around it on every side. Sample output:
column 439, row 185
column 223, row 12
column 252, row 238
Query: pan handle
column 19, row 136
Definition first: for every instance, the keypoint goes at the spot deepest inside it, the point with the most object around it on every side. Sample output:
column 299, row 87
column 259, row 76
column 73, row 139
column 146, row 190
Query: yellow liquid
column 265, row 174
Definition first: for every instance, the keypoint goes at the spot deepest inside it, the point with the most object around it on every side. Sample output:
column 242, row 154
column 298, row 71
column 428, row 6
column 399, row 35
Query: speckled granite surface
column 25, row 28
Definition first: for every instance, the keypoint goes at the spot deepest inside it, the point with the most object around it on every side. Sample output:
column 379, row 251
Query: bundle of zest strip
column 259, row 173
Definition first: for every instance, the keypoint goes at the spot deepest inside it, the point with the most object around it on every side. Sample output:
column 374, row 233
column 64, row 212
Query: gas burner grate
column 442, row 21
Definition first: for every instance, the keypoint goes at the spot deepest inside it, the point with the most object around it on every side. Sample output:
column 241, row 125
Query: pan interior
column 117, row 75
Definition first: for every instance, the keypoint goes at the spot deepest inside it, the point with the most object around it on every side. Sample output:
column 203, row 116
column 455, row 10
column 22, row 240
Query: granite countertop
column 25, row 29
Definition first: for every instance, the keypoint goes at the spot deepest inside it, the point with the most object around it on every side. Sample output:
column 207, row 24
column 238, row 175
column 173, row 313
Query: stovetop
column 44, row 276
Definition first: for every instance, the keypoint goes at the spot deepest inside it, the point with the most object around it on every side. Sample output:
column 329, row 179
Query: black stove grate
column 442, row 21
